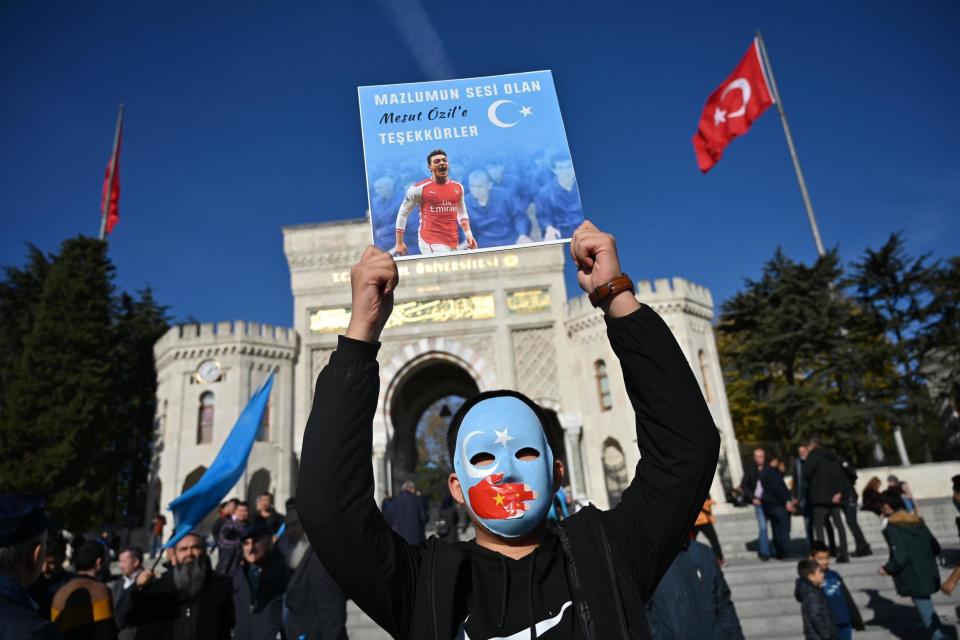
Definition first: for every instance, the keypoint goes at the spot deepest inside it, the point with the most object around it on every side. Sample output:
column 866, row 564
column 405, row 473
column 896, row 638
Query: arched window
column 263, row 433
column 259, row 483
column 614, row 470
column 603, row 385
column 705, row 374
column 205, row 418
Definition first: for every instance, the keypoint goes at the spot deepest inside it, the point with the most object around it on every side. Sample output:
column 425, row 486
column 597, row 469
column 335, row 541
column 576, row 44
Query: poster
column 472, row 164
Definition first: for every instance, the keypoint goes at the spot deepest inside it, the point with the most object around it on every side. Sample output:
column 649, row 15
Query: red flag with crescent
column 488, row 499
column 110, row 200
column 732, row 108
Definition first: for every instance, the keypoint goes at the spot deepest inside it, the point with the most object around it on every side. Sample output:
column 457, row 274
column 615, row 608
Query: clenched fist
column 372, row 281
column 595, row 254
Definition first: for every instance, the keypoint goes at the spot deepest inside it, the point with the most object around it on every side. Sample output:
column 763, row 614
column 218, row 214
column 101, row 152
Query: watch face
column 208, row 371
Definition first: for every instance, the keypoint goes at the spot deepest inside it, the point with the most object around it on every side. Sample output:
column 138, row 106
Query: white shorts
column 426, row 248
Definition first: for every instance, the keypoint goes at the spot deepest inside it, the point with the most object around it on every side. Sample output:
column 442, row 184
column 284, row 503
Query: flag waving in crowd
column 200, row 499
column 732, row 108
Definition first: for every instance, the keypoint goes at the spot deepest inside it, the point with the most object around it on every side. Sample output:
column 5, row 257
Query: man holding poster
column 586, row 578
column 442, row 210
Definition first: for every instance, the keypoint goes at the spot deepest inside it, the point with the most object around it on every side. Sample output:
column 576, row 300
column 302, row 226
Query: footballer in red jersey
column 442, row 210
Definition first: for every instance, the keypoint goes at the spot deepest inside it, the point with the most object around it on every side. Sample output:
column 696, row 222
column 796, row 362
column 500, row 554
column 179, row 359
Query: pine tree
column 58, row 398
column 19, row 296
column 942, row 337
column 140, row 322
column 894, row 291
column 791, row 357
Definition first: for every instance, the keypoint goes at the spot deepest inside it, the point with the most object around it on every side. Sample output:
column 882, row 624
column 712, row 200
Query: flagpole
column 105, row 206
column 793, row 151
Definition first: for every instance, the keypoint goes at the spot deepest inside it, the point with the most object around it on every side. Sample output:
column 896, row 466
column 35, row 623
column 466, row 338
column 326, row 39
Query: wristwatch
column 605, row 291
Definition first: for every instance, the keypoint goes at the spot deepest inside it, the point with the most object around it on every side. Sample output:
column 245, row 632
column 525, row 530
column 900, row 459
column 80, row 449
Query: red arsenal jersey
column 441, row 210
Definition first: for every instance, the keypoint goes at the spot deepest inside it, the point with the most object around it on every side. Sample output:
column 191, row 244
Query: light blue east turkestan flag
column 192, row 506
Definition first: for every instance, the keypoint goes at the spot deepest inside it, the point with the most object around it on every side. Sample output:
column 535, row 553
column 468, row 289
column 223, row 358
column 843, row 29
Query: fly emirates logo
column 444, row 206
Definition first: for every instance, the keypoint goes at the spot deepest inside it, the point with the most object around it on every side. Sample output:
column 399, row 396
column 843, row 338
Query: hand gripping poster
column 472, row 164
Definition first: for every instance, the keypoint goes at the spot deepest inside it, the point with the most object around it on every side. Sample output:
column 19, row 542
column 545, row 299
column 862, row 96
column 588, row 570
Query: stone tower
column 206, row 373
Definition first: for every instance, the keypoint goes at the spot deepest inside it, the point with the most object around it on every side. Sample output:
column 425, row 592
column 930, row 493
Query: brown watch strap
column 617, row 285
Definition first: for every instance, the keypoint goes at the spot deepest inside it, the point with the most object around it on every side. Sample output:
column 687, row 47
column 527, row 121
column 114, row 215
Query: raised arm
column 372, row 564
column 678, row 441
column 410, row 200
column 463, row 218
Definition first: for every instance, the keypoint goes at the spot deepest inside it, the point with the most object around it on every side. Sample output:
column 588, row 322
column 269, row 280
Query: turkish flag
column 488, row 499
column 732, row 108
column 110, row 200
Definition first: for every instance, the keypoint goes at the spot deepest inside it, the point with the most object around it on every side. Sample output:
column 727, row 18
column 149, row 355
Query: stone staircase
column 763, row 591
column 763, row 596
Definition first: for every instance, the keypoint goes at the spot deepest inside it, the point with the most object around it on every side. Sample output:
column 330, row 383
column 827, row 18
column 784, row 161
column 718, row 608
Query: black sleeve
column 727, row 618
column 152, row 603
column 678, row 442
column 816, row 610
column 855, row 618
column 749, row 482
column 934, row 544
column 372, row 564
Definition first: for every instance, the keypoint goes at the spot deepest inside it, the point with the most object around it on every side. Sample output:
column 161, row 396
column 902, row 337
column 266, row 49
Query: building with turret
column 461, row 325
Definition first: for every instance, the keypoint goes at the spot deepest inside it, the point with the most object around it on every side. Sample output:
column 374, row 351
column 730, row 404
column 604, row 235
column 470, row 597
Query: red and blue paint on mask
column 505, row 465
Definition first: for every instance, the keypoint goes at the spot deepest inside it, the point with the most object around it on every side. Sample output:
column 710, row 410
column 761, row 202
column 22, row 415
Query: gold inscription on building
column 478, row 307
column 478, row 262
column 528, row 301
column 329, row 320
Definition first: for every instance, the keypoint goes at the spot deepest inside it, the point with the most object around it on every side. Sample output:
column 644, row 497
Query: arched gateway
column 460, row 325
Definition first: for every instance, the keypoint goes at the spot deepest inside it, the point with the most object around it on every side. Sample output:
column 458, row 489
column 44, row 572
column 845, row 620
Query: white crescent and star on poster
column 719, row 115
column 495, row 119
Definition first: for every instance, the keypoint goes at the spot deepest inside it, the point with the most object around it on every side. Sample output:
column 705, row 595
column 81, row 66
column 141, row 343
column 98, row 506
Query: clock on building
column 208, row 371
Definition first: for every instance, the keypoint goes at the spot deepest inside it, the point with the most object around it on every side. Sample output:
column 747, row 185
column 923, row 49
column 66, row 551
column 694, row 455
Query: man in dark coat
column 913, row 560
column 693, row 599
column 753, row 491
column 188, row 602
column 407, row 514
column 131, row 564
column 316, row 607
column 587, row 579
column 258, row 585
column 777, row 505
column 266, row 512
column 23, row 537
column 228, row 538
column 52, row 577
column 827, row 482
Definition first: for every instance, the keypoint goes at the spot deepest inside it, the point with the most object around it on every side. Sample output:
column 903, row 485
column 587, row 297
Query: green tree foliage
column 894, row 290
column 78, row 385
column 811, row 350
column 139, row 323
column 943, row 332
column 785, row 354
column 56, row 405
column 19, row 294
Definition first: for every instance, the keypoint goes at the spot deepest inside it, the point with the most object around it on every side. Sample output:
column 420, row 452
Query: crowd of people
column 266, row 583
column 534, row 564
column 824, row 494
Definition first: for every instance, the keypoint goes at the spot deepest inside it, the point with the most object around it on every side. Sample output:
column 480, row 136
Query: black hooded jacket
column 587, row 580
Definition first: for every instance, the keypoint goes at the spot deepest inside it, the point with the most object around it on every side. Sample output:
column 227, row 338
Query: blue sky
column 242, row 117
